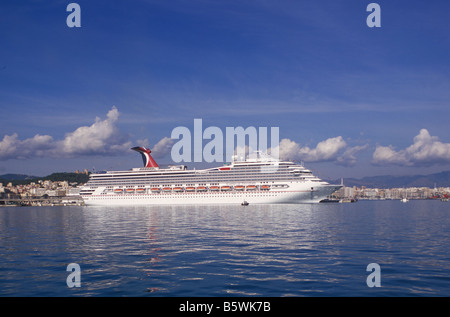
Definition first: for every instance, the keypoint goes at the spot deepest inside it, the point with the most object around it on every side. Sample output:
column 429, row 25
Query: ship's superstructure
column 256, row 181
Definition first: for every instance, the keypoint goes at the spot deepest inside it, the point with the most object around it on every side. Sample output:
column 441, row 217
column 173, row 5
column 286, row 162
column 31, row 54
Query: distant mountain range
column 441, row 179
column 16, row 179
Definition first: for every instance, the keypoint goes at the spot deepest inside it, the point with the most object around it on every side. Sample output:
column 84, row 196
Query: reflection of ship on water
column 260, row 180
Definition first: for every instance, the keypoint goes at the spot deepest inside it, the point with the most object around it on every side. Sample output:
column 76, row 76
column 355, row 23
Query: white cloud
column 327, row 150
column 426, row 150
column 387, row 155
column 289, row 150
column 11, row 147
column 8, row 146
column 102, row 137
column 348, row 157
column 162, row 148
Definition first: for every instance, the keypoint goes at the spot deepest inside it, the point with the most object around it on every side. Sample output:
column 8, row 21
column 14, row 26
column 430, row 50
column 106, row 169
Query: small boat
column 329, row 200
column 178, row 189
column 215, row 188
column 239, row 187
column 404, row 200
column 155, row 189
column 225, row 188
column 251, row 187
column 244, row 203
column 140, row 190
column 201, row 189
column 167, row 189
column 118, row 190
column 190, row 189
column 265, row 187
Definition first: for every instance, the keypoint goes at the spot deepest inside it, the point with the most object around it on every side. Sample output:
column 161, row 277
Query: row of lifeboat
column 224, row 188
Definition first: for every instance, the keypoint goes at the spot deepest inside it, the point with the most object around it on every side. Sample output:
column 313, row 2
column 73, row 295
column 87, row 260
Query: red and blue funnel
column 146, row 157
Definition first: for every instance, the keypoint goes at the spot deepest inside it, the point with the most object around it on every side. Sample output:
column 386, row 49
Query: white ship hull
column 294, row 195
column 253, row 182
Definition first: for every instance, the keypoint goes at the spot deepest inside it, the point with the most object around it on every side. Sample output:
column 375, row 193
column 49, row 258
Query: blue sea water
column 255, row 250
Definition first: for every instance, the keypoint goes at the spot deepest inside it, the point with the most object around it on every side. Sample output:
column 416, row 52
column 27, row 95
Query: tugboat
column 244, row 203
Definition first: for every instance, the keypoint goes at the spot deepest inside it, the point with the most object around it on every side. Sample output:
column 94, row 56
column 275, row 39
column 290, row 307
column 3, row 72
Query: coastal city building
column 68, row 193
column 42, row 192
column 363, row 192
column 48, row 192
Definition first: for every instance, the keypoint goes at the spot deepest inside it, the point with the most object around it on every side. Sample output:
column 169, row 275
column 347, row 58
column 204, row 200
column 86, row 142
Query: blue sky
column 349, row 100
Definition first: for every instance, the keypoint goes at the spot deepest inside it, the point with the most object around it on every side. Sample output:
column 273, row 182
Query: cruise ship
column 256, row 180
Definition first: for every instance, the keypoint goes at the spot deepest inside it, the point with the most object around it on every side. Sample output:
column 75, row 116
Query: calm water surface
column 268, row 250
